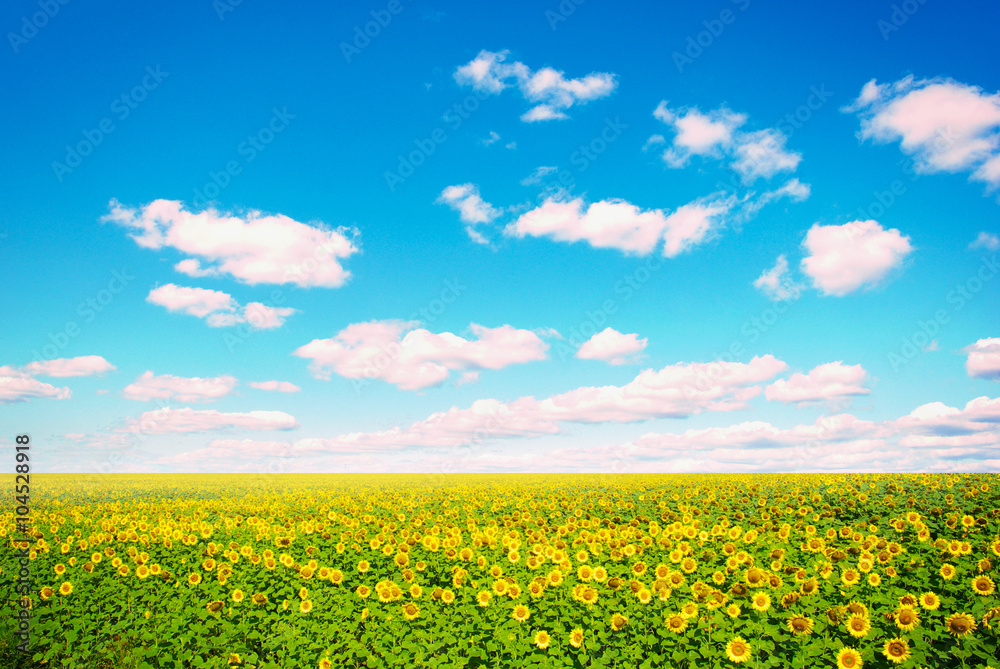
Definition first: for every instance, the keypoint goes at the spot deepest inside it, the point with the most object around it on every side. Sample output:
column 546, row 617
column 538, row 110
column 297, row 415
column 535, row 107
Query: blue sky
column 780, row 222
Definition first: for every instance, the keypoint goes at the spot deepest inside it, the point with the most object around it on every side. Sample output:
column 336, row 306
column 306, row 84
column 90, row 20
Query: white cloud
column 16, row 387
column 84, row 365
column 168, row 421
column 697, row 134
column 419, row 358
column 763, row 154
column 844, row 258
column 986, row 241
column 613, row 347
column 622, row 225
column 716, row 134
column 217, row 308
column 945, row 125
column 777, row 283
column 18, row 384
column 537, row 176
column 676, row 391
column 831, row 382
column 934, row 437
column 492, row 139
column 548, row 89
column 184, row 389
column 277, row 386
column 252, row 247
column 471, row 208
column 984, row 359
column 937, row 425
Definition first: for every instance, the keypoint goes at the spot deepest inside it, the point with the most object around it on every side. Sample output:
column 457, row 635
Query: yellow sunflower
column 896, row 650
column 800, row 625
column 738, row 650
column 858, row 625
column 983, row 586
column 959, row 624
column 848, row 658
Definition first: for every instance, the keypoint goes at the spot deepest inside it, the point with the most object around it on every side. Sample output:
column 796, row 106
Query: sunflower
column 47, row 592
column 734, row 610
column 848, row 658
column 259, row 598
column 618, row 621
column 947, row 572
column 983, row 586
column 542, row 639
column 896, row 650
column 800, row 625
column 483, row 598
column 930, row 601
column 857, row 607
column 194, row 578
column 676, row 623
column 576, row 638
column 142, row 571
column 850, row 577
column 738, row 650
column 858, row 625
column 66, row 588
column 761, row 601
column 447, row 596
column 325, row 664
column 238, row 595
column 411, row 611
column 214, row 606
column 363, row 591
column 959, row 624
column 906, row 619
column 520, row 613
column 305, row 606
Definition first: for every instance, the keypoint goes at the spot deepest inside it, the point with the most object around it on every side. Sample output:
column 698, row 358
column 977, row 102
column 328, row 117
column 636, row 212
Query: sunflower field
column 320, row 571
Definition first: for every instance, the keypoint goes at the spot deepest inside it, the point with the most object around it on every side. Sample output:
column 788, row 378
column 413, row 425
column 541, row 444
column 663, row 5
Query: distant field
column 289, row 571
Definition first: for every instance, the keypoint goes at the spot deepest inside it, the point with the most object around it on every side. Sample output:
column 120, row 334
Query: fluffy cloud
column 613, row 347
column 716, row 134
column 84, row 365
column 252, row 247
column 696, row 133
column 15, row 387
column 986, row 241
column 763, row 154
column 169, row 421
column 183, row 389
column 276, row 386
column 622, row 225
column 937, row 425
column 945, row 125
column 548, row 89
column 777, row 283
column 831, row 382
column 984, row 359
column 471, row 208
column 419, row 358
column 934, row 437
column 676, row 391
column 217, row 308
column 18, row 385
column 844, row 258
